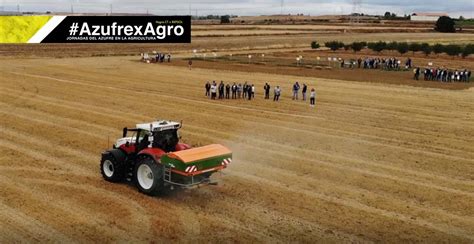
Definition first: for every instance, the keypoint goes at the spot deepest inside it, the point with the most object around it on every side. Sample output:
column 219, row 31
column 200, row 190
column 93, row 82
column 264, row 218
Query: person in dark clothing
column 417, row 73
column 312, row 98
column 208, row 89
column 267, row 91
column 227, row 91
column 303, row 91
column 296, row 88
column 249, row 92
column 244, row 90
column 234, row 91
column 221, row 90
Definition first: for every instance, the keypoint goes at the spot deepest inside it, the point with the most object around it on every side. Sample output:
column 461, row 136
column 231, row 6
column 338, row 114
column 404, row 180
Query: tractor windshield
column 166, row 139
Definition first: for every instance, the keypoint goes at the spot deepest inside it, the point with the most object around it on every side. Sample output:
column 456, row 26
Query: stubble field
column 371, row 163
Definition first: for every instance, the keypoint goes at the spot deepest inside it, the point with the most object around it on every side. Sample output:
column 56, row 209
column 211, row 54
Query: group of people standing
column 443, row 75
column 376, row 63
column 304, row 90
column 247, row 91
column 156, row 57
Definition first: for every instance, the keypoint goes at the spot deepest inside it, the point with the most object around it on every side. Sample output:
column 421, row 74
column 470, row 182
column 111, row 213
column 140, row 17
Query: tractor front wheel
column 112, row 170
column 149, row 176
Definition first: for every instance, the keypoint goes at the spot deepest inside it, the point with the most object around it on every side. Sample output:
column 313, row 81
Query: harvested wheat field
column 371, row 163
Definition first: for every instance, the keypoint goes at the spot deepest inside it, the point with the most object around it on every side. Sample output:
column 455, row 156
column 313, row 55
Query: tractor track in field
column 453, row 150
column 426, row 211
column 397, row 129
column 356, row 205
column 70, row 151
column 373, row 163
column 26, row 138
column 273, row 145
column 91, row 84
column 102, row 128
column 447, row 115
column 229, row 135
column 78, row 153
column 357, row 138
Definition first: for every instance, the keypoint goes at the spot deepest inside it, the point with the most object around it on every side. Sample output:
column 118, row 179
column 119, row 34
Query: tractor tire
column 112, row 170
column 149, row 176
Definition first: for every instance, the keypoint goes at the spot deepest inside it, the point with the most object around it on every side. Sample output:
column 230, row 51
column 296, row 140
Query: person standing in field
column 296, row 88
column 221, row 90
column 249, row 92
column 277, row 93
column 253, row 91
column 227, row 91
column 417, row 73
column 312, row 98
column 245, row 88
column 190, row 64
column 234, row 91
column 208, row 89
column 239, row 91
column 213, row 90
column 303, row 91
column 267, row 91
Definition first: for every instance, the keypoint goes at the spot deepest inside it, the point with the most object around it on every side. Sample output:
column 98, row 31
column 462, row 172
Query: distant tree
column 387, row 15
column 393, row 16
column 392, row 45
column 445, row 24
column 452, row 50
column 467, row 50
column 315, row 45
column 461, row 18
column 414, row 47
column 377, row 46
column 347, row 47
column 426, row 48
column 438, row 48
column 357, row 46
column 334, row 45
column 225, row 19
column 402, row 47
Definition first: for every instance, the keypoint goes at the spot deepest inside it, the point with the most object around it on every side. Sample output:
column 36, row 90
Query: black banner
column 122, row 29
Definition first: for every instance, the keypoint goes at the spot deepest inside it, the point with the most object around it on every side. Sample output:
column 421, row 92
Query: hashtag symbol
column 73, row 29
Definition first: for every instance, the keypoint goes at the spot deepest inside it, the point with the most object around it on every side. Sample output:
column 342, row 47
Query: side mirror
column 125, row 130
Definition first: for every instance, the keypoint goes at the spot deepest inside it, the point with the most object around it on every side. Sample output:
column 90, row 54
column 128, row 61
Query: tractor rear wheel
column 112, row 170
column 149, row 176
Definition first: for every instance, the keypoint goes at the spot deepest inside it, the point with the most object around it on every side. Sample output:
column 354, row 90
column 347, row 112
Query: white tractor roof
column 159, row 125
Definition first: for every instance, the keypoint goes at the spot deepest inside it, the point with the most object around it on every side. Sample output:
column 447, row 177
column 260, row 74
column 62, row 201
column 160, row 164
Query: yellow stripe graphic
column 19, row 29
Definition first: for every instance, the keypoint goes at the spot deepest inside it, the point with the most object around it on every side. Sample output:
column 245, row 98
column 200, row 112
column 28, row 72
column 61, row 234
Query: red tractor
column 155, row 160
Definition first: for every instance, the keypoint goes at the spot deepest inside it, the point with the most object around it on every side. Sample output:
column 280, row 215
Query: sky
column 454, row 8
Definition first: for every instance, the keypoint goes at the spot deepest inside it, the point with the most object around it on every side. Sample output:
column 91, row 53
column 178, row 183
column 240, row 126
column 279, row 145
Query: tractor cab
column 158, row 134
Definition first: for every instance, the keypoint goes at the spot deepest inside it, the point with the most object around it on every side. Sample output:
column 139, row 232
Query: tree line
column 401, row 47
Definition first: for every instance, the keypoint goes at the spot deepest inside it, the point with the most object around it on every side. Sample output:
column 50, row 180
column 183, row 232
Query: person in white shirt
column 213, row 90
column 277, row 92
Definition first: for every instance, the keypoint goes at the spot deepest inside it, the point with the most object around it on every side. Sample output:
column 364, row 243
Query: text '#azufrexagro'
column 113, row 29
